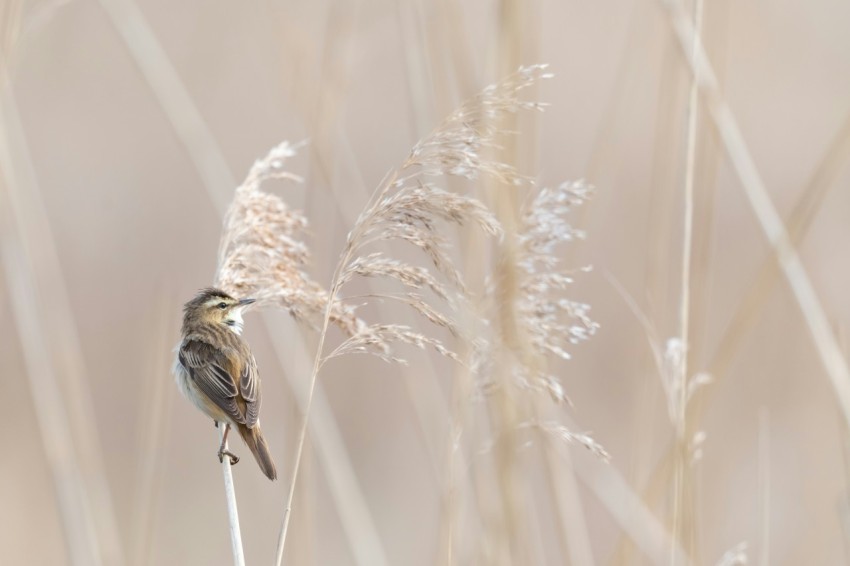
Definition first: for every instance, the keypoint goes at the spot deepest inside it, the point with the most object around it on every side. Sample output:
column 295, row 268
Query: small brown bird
column 216, row 371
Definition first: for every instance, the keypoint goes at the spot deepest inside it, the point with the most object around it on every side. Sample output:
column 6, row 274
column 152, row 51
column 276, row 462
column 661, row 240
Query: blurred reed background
column 125, row 128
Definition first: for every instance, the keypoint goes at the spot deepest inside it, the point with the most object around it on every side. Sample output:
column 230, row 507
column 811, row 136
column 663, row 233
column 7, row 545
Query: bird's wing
column 207, row 367
column 249, row 386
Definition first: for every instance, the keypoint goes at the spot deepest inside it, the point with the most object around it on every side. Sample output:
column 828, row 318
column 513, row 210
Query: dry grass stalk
column 679, row 389
column 783, row 241
column 748, row 309
column 799, row 221
column 834, row 363
column 628, row 509
column 683, row 527
column 764, row 496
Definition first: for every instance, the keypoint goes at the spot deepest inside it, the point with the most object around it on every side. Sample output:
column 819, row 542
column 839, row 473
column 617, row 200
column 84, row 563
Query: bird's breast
column 190, row 391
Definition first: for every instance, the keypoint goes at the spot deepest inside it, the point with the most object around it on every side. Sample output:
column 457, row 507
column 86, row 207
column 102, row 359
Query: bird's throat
column 234, row 322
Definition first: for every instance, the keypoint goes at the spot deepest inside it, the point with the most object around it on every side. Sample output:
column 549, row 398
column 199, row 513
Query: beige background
column 135, row 232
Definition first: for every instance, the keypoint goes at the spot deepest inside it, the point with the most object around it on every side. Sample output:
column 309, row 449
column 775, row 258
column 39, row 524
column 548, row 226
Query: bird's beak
column 246, row 302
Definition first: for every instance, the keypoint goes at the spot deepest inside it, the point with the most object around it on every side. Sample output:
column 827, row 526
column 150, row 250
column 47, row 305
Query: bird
column 216, row 371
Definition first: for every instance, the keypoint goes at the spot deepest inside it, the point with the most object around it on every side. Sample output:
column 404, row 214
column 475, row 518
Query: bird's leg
column 223, row 451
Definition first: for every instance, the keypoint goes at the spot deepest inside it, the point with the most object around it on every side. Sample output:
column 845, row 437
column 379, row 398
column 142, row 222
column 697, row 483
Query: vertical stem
column 505, row 410
column 688, row 229
column 682, row 460
column 232, row 513
column 769, row 220
column 281, row 541
column 287, row 512
column 353, row 238
column 350, row 502
column 764, row 486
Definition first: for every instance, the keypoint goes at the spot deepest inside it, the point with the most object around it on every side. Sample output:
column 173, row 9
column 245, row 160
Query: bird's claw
column 234, row 459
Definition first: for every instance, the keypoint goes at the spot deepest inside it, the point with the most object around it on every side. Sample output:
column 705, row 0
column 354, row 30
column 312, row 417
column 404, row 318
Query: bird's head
column 214, row 306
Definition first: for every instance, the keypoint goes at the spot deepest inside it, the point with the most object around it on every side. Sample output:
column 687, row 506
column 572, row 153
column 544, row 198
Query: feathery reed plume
column 552, row 322
column 261, row 254
column 409, row 206
column 561, row 432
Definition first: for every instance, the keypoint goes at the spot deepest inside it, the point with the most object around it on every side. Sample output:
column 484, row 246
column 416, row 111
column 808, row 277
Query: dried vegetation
column 263, row 255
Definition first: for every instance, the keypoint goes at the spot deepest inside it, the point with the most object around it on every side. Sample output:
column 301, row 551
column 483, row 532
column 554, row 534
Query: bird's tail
column 255, row 441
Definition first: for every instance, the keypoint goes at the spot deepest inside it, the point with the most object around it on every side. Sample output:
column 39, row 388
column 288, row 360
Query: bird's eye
column 222, row 306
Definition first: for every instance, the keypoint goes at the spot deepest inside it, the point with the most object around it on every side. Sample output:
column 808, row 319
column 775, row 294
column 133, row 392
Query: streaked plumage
column 216, row 370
